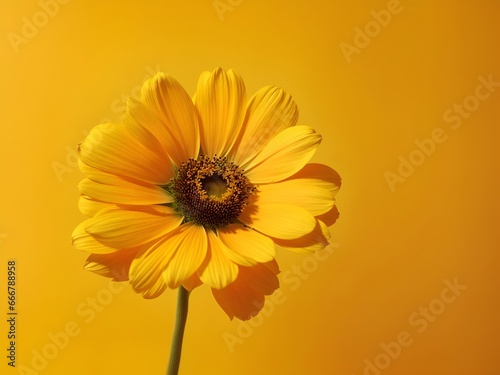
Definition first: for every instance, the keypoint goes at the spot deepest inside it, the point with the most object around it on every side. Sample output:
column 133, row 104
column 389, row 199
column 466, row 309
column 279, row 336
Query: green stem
column 180, row 324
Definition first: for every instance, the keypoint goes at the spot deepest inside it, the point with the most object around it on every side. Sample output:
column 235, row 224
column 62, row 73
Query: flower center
column 210, row 192
column 214, row 186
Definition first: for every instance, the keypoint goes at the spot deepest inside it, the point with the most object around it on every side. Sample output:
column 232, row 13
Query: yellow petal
column 139, row 121
column 220, row 99
column 96, row 174
column 245, row 246
column 99, row 175
column 284, row 155
column 146, row 269
column 120, row 190
column 124, row 192
column 245, row 297
column 320, row 175
column 112, row 149
column 269, row 111
column 173, row 106
column 124, row 228
column 90, row 206
column 219, row 271
column 139, row 118
column 83, row 241
column 278, row 220
column 115, row 266
column 190, row 251
column 156, row 267
column 317, row 240
column 300, row 192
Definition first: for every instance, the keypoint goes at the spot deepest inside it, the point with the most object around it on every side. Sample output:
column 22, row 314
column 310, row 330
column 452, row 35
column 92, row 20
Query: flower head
column 185, row 191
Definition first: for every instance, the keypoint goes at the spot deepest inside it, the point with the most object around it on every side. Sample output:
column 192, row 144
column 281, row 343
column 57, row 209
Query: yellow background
column 395, row 250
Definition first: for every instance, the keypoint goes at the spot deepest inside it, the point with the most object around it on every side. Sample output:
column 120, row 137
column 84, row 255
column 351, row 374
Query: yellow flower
column 186, row 191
